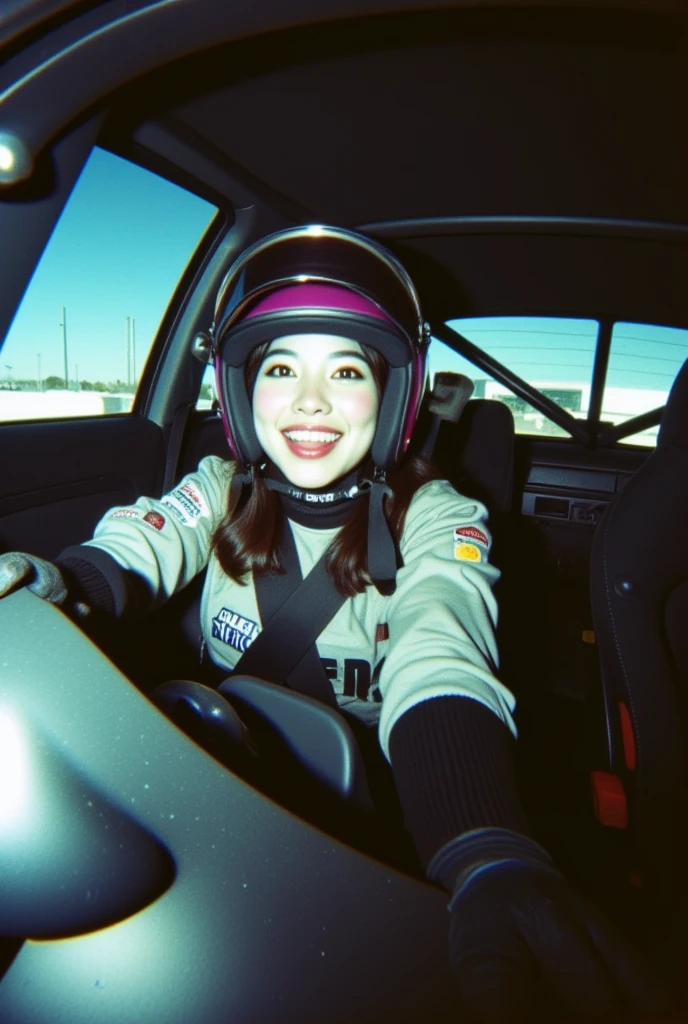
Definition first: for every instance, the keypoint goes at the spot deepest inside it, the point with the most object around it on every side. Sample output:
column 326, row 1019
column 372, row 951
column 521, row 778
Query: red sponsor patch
column 381, row 632
column 155, row 520
column 470, row 533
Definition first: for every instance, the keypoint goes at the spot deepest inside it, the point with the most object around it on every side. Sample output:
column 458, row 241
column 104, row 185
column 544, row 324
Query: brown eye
column 279, row 370
column 348, row 373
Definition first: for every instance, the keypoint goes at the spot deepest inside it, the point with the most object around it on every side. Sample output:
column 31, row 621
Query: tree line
column 54, row 383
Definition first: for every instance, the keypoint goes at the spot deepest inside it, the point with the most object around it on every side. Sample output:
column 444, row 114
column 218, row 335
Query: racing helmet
column 320, row 280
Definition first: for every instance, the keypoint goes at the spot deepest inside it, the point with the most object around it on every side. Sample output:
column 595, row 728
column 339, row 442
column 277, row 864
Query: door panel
column 59, row 477
column 561, row 492
column 549, row 656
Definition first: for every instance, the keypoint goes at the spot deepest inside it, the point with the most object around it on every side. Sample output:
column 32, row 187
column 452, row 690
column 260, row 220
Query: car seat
column 639, row 594
column 477, row 453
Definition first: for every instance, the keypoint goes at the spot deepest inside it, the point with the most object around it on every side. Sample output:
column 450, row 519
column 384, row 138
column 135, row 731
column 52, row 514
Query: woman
column 319, row 348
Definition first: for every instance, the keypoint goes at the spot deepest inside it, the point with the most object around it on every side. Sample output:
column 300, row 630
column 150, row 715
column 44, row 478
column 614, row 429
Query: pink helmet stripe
column 316, row 295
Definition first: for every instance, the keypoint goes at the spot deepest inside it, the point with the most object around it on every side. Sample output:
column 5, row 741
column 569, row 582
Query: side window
column 82, row 334
column 643, row 362
column 554, row 355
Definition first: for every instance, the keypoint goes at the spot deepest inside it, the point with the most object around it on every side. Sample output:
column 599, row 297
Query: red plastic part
column 609, row 800
column 627, row 737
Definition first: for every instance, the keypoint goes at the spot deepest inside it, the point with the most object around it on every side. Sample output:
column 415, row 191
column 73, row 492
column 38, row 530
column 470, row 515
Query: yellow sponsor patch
column 467, row 552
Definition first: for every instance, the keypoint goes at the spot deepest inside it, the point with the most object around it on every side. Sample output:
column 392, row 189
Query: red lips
column 304, row 449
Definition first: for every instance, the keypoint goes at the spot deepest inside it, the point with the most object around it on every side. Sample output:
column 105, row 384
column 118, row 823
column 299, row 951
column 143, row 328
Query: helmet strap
column 382, row 551
column 236, row 487
column 317, row 499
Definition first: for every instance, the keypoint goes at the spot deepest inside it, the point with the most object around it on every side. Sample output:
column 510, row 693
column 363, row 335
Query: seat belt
column 174, row 445
column 294, row 612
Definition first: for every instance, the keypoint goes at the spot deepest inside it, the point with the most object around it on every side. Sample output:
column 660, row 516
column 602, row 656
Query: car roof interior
column 519, row 159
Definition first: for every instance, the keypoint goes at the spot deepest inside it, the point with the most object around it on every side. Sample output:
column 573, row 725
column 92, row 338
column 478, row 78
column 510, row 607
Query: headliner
column 531, row 161
column 520, row 158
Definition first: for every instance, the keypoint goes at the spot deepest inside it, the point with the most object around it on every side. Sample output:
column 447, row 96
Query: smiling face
column 315, row 407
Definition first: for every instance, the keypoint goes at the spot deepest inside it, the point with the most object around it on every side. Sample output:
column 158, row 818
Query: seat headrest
column 477, row 453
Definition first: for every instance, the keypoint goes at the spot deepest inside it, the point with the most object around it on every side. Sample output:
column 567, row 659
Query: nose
column 311, row 397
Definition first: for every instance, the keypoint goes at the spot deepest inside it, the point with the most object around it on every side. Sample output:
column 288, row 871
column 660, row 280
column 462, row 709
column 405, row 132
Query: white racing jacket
column 433, row 637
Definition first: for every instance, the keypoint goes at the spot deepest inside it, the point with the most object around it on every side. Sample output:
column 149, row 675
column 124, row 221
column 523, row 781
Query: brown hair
column 248, row 540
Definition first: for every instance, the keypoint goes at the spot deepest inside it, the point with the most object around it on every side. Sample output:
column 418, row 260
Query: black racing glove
column 41, row 577
column 525, row 947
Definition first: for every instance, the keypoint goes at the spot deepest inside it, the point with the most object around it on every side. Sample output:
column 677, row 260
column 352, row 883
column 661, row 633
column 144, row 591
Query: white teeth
column 324, row 436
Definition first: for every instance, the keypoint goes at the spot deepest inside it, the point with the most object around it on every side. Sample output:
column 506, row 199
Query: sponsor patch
column 467, row 552
column 187, row 504
column 125, row 513
column 469, row 533
column 155, row 520
column 178, row 513
column 194, row 496
column 234, row 630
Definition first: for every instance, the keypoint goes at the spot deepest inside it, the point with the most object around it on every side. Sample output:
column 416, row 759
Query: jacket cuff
column 94, row 577
column 468, row 857
column 452, row 760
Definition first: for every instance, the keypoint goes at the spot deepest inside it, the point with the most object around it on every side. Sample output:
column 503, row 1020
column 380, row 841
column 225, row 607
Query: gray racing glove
column 42, row 578
column 525, row 947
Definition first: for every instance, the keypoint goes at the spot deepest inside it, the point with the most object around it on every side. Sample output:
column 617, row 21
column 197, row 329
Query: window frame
column 592, row 432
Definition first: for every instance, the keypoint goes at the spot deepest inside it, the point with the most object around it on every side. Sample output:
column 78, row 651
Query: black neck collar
column 322, row 508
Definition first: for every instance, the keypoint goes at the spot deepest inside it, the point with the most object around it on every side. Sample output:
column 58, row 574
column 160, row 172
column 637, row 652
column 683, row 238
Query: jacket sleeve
column 164, row 542
column 442, row 616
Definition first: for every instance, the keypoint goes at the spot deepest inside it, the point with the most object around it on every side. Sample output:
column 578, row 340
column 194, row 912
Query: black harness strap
column 174, row 445
column 294, row 612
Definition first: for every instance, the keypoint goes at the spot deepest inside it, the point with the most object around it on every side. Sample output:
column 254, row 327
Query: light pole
column 133, row 348
column 40, row 379
column 63, row 325
column 128, row 350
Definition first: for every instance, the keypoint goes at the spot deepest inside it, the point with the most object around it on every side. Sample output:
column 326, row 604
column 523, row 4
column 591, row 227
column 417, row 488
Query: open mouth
column 311, row 444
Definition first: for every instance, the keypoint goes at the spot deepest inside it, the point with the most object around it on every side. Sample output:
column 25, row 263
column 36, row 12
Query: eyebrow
column 343, row 354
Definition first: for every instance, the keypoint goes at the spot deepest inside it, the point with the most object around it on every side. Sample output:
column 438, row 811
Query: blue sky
column 126, row 236
column 118, row 251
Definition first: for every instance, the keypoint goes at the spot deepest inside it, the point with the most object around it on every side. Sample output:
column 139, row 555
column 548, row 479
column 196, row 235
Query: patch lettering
column 469, row 533
column 195, row 497
column 125, row 513
column 234, row 630
column 356, row 676
column 467, row 552
column 187, row 504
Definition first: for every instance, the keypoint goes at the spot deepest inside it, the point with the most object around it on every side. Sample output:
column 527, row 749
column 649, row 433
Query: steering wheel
column 239, row 909
column 209, row 719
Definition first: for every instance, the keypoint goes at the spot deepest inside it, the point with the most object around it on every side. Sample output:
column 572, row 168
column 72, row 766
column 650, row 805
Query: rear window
column 643, row 363
column 554, row 355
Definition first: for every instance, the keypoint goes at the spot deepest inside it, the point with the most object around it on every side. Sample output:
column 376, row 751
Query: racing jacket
column 434, row 637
